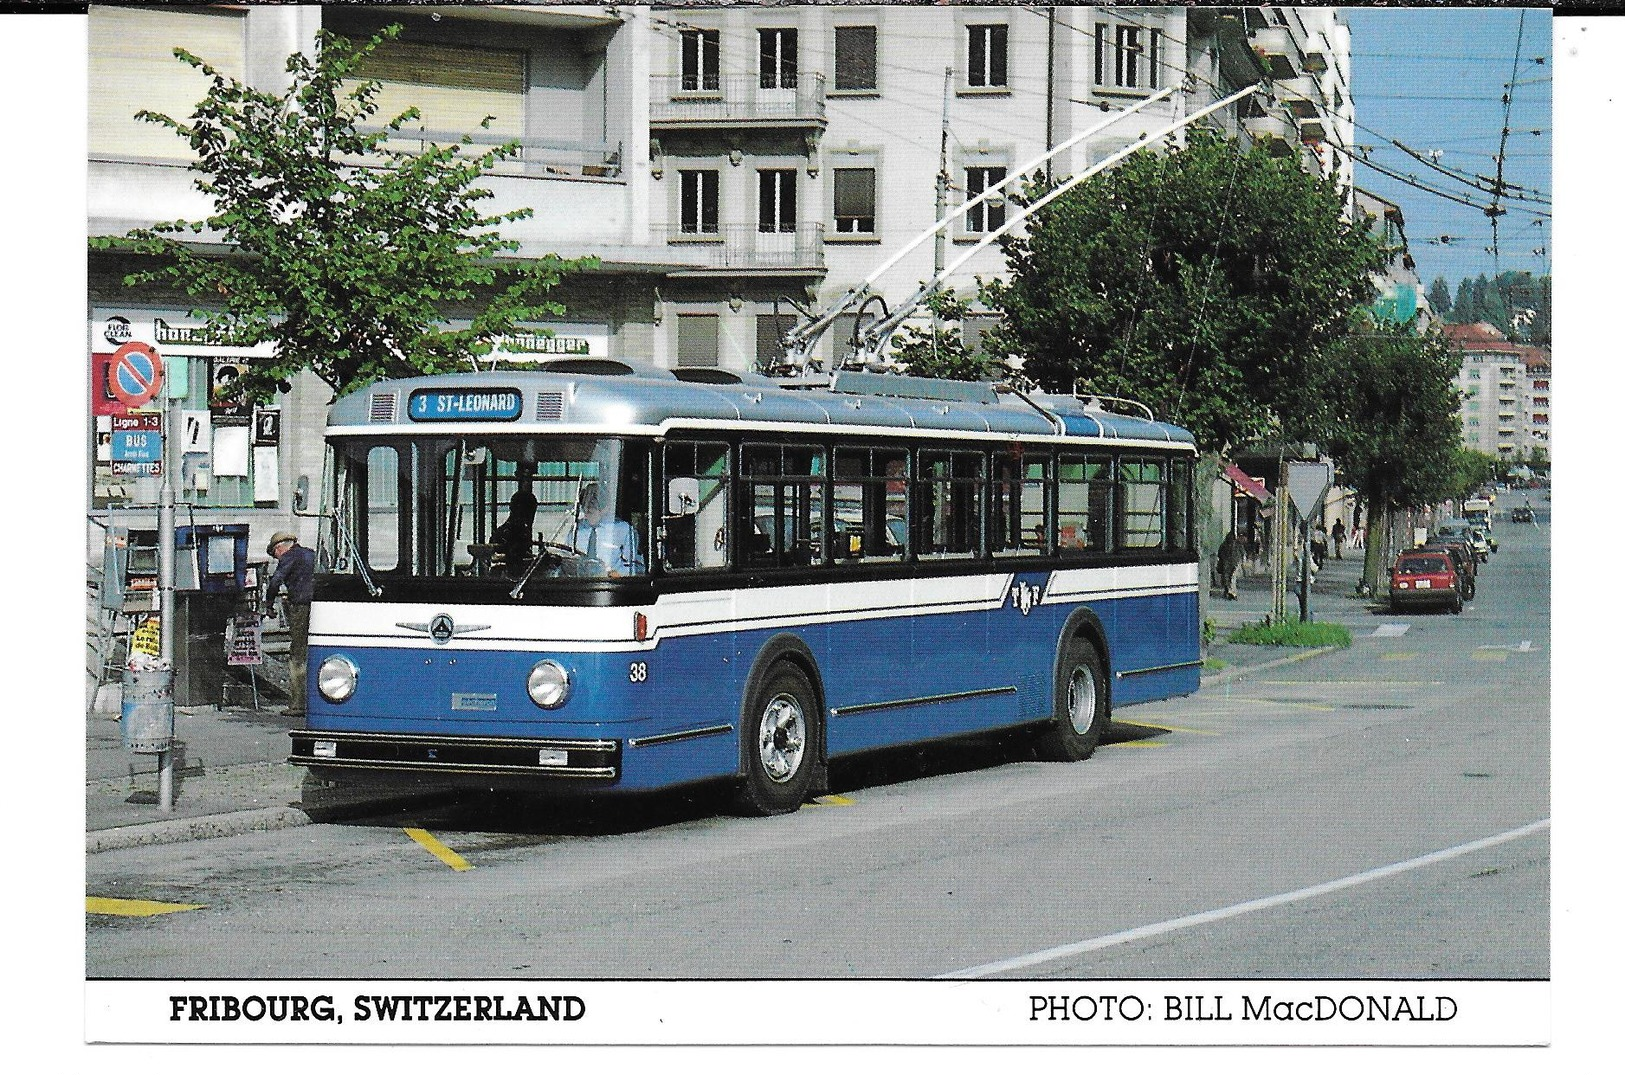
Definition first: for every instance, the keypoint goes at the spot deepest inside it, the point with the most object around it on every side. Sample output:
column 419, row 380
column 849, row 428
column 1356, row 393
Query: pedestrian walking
column 295, row 573
column 1317, row 545
column 1339, row 532
column 1231, row 554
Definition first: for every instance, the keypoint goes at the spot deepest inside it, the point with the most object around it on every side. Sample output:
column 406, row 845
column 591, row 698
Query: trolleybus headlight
column 336, row 678
column 549, row 684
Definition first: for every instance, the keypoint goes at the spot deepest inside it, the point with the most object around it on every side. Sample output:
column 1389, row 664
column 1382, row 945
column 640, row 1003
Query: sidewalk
column 1332, row 599
column 232, row 774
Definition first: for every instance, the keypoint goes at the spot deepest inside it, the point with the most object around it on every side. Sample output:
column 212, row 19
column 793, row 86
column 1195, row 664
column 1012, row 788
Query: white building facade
column 726, row 165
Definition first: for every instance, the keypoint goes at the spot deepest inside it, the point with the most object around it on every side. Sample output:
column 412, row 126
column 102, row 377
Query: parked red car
column 1424, row 578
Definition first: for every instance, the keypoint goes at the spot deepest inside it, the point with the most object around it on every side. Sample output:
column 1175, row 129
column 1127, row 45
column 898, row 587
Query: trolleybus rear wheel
column 1080, row 705
column 779, row 742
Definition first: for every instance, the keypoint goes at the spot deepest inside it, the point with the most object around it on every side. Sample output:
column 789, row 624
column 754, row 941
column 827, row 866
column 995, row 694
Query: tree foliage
column 1439, row 297
column 1202, row 281
column 940, row 350
column 1389, row 417
column 1391, row 414
column 348, row 254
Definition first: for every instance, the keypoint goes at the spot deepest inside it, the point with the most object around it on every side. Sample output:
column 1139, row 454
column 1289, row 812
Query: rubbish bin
column 147, row 717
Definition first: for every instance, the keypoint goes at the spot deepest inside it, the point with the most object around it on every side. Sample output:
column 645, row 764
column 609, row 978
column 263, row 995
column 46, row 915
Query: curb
column 206, row 827
column 1226, row 675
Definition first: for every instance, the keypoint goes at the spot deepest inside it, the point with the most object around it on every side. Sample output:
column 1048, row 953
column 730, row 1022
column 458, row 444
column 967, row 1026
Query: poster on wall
column 225, row 395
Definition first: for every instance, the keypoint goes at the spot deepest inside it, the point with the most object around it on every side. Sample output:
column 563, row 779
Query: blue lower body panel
column 644, row 718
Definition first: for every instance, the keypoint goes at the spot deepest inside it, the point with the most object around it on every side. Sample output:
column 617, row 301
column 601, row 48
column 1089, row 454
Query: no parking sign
column 135, row 374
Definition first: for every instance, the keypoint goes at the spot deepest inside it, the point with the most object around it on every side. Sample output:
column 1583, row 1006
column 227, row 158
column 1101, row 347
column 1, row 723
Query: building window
column 701, row 63
column 776, row 199
column 697, row 340
column 988, row 215
column 855, row 201
column 698, row 190
column 770, row 332
column 987, row 65
column 778, row 59
column 856, row 52
column 1128, row 56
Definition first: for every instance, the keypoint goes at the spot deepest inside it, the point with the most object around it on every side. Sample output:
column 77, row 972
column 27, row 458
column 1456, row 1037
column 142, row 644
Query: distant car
column 1523, row 515
column 1424, row 579
column 1475, row 535
column 1462, row 558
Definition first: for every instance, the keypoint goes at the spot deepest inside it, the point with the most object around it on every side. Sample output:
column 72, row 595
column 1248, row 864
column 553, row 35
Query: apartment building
column 1506, row 393
column 729, row 166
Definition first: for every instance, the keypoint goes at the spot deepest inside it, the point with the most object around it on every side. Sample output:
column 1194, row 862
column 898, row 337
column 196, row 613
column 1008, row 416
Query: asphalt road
column 1374, row 813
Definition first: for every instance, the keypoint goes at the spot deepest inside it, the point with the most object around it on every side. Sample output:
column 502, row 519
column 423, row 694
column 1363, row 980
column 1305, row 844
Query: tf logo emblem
column 1024, row 595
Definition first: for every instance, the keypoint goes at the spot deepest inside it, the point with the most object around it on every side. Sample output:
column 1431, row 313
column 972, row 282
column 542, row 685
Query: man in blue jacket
column 295, row 572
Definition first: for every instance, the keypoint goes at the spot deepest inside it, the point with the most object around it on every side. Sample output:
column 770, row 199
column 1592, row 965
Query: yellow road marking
column 439, row 850
column 1167, row 727
column 1489, row 654
column 833, row 800
column 1136, row 743
column 1399, row 656
column 134, row 908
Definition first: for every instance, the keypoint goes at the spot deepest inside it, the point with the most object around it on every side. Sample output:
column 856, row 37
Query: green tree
column 939, row 350
column 1493, row 307
column 1201, row 281
column 1465, row 309
column 1391, row 422
column 348, row 255
column 1439, row 298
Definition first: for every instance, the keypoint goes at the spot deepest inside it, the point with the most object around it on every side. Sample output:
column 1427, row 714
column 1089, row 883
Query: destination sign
column 465, row 405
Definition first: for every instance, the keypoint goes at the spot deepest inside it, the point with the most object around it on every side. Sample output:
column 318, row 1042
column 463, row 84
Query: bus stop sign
column 135, row 374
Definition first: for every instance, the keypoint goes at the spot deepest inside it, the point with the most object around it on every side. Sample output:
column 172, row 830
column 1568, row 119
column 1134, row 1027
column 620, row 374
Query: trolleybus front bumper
column 596, row 760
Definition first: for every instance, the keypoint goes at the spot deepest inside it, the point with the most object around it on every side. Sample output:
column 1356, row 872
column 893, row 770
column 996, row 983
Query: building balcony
column 741, row 249
column 1275, row 51
column 536, row 156
column 733, row 101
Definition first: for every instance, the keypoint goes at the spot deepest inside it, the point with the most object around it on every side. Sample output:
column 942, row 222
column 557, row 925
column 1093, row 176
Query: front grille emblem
column 443, row 628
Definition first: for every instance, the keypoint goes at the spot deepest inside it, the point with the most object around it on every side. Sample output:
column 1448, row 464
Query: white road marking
column 1390, row 630
column 1264, row 903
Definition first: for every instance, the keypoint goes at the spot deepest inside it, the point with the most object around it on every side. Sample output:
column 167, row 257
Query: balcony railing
column 741, row 247
column 731, row 100
column 536, row 156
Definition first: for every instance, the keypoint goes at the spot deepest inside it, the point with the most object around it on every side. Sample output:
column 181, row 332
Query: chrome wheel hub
column 782, row 738
column 1080, row 700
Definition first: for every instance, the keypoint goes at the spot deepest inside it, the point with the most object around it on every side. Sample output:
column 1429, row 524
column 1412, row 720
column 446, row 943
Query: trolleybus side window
column 1020, row 504
column 1142, row 492
column 1083, row 512
column 1180, row 536
column 784, row 498
column 948, row 504
column 871, row 504
column 695, row 530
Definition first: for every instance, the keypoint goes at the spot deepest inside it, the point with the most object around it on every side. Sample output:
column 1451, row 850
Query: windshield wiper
column 373, row 589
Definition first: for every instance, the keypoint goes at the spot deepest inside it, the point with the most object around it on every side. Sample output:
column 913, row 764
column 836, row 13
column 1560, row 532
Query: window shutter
column 133, row 67
column 770, row 330
column 855, row 57
column 855, row 196
column 453, row 87
column 697, row 340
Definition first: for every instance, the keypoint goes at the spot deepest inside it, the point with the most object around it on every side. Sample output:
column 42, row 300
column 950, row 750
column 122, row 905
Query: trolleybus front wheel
column 779, row 743
column 1080, row 705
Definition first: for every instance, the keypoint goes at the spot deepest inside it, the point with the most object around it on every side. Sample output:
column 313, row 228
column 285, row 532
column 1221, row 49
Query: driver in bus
column 513, row 538
column 601, row 537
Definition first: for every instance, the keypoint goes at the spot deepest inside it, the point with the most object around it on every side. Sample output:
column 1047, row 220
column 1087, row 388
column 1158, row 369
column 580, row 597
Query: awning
column 1246, row 483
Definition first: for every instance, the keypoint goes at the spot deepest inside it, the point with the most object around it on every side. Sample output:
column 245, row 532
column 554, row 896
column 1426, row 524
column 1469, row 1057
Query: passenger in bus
column 513, row 539
column 610, row 541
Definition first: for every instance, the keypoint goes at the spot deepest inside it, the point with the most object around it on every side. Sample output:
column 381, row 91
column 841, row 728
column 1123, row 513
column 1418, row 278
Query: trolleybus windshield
column 488, row 507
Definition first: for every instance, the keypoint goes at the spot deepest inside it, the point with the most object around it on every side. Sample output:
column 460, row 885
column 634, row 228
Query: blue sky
column 1432, row 79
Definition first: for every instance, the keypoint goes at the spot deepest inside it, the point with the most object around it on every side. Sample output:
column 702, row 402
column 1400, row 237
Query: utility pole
column 941, row 246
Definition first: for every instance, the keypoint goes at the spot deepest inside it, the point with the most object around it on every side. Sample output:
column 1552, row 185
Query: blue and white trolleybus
column 602, row 575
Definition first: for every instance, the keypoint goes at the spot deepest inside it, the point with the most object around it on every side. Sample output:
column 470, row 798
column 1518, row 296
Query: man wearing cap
column 295, row 572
